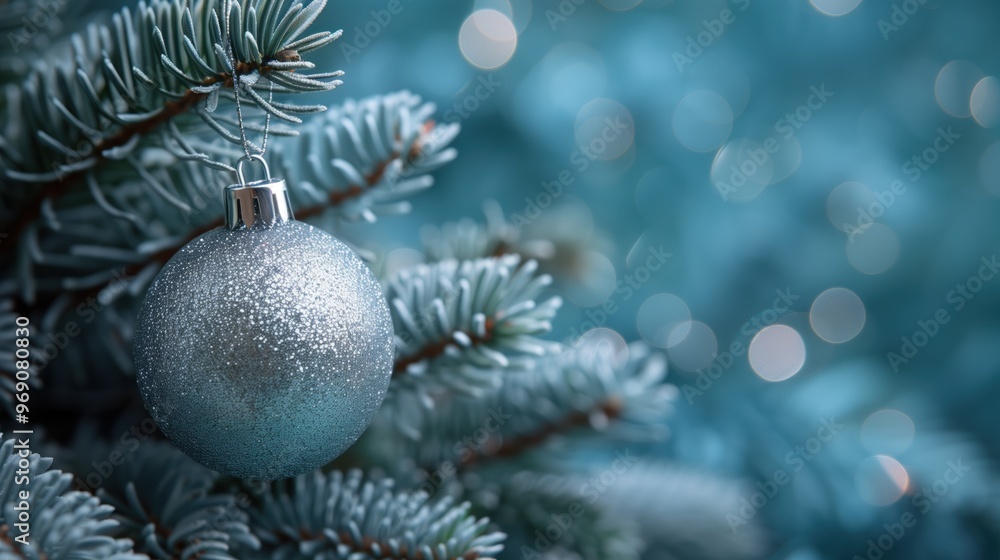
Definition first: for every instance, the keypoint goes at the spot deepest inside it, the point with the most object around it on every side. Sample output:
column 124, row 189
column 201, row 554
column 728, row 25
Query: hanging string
column 247, row 145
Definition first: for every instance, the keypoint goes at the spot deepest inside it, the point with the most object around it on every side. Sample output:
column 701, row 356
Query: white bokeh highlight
column 602, row 341
column 692, row 345
column 954, row 85
column 777, row 353
column 881, row 480
column 837, row 315
column 835, row 8
column 845, row 203
column 702, row 121
column 604, row 128
column 487, row 39
column 659, row 316
column 985, row 102
column 888, row 432
column 736, row 176
column 874, row 250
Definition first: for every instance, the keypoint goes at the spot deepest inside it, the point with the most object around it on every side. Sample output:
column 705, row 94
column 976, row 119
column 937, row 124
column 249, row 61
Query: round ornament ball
column 265, row 348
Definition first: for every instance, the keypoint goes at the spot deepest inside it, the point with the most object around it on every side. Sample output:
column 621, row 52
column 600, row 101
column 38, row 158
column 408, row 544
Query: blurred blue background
column 816, row 182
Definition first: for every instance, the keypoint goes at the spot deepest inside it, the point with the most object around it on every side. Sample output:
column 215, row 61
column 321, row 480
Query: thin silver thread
column 236, row 93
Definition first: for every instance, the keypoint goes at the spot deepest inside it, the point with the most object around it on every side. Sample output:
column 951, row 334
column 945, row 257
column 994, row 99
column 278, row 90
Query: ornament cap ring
column 258, row 203
column 253, row 157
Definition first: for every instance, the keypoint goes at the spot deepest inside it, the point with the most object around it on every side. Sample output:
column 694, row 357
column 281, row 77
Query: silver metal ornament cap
column 257, row 203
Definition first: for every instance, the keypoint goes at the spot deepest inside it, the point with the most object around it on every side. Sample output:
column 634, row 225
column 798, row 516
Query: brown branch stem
column 500, row 448
column 171, row 109
column 435, row 349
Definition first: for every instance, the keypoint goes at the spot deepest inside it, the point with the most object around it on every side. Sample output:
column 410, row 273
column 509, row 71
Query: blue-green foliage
column 61, row 524
column 117, row 143
column 344, row 516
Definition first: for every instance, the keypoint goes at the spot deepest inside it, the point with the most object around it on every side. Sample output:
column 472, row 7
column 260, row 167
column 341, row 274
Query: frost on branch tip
column 345, row 515
column 455, row 317
column 579, row 393
column 364, row 157
column 63, row 524
column 164, row 501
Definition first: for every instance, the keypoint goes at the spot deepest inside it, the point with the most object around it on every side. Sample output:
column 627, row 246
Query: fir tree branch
column 497, row 448
column 67, row 177
column 364, row 156
column 164, row 501
column 336, row 198
column 530, row 501
column 579, row 392
column 678, row 512
column 434, row 349
column 144, row 235
column 101, row 254
column 65, row 525
column 108, row 104
column 553, row 240
column 339, row 515
column 476, row 313
column 467, row 239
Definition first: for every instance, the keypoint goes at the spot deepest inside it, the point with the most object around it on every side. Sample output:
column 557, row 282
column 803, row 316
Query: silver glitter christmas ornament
column 263, row 348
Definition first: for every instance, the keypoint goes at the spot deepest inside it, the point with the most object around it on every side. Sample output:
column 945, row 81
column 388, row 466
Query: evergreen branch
column 164, row 502
column 578, row 392
column 106, row 101
column 315, row 184
column 554, row 240
column 142, row 234
column 365, row 156
column 63, row 524
column 608, row 410
column 101, row 253
column 467, row 239
column 454, row 317
column 653, row 508
column 334, row 516
column 679, row 513
column 532, row 501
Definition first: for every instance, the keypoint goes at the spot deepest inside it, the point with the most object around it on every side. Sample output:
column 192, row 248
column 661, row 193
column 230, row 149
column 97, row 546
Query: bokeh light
column 736, row 175
column 518, row 11
column 888, row 432
column 881, row 480
column 702, row 121
column 846, row 203
column 596, row 282
column 954, row 85
column 835, row 7
column 659, row 316
column 985, row 102
column 487, row 39
column 604, row 129
column 874, row 250
column 777, row 352
column 837, row 315
column 692, row 345
column 786, row 158
column 598, row 341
